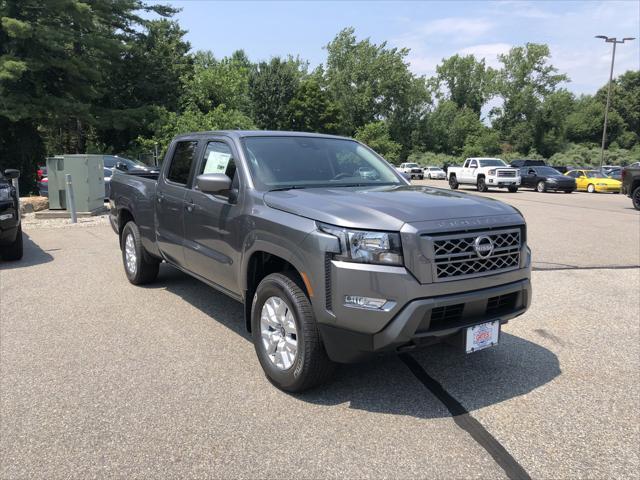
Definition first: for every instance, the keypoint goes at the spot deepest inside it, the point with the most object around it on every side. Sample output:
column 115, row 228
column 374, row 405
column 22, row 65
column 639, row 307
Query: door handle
column 160, row 198
column 189, row 206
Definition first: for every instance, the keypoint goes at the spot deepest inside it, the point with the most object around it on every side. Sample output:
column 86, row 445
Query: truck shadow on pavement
column 33, row 255
column 386, row 385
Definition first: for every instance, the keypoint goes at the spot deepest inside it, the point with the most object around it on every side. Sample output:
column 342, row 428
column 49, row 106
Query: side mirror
column 11, row 173
column 213, row 183
column 122, row 166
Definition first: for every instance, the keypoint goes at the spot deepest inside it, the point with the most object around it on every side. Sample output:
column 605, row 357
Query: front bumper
column 428, row 320
column 503, row 181
column 555, row 186
column 607, row 188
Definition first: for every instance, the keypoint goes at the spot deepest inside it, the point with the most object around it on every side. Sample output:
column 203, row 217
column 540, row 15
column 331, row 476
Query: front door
column 170, row 193
column 212, row 244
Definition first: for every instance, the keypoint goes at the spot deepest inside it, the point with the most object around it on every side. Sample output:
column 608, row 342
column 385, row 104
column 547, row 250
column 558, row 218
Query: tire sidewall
column 482, row 185
column 635, row 198
column 591, row 188
column 275, row 287
column 541, row 186
column 453, row 182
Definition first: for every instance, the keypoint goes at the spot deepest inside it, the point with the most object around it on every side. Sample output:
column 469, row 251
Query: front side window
column 181, row 162
column 473, row 164
column 218, row 159
column 282, row 162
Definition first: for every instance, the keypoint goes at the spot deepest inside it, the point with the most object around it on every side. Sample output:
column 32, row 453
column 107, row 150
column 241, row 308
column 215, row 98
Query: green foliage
column 586, row 155
column 467, row 81
column 272, row 85
column 311, row 110
column 376, row 135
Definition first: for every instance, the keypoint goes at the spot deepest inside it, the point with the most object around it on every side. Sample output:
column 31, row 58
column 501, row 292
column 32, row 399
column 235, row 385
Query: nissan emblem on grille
column 483, row 245
column 469, row 254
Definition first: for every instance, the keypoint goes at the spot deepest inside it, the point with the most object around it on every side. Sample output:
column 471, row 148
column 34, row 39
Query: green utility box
column 87, row 177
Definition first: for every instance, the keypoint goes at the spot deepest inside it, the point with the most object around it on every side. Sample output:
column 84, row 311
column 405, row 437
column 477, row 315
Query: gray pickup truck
column 335, row 256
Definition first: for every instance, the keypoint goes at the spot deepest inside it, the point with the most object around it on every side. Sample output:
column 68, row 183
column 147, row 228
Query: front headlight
column 4, row 194
column 552, row 180
column 492, row 171
column 361, row 246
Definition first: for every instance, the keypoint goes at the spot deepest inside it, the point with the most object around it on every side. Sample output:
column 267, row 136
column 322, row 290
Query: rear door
column 170, row 194
column 212, row 222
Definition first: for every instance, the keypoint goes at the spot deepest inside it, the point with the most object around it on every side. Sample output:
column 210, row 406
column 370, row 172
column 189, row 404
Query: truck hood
column 383, row 208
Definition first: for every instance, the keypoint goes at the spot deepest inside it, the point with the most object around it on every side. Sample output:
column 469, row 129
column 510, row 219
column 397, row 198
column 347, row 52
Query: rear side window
column 181, row 162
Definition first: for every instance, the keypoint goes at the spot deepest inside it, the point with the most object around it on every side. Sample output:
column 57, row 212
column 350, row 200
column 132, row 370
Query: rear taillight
column 624, row 171
column 39, row 174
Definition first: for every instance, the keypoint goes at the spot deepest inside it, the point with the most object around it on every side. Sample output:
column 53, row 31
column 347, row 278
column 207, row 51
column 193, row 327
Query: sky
column 432, row 30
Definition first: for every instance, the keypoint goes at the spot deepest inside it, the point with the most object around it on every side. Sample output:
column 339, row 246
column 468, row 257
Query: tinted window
column 473, row 164
column 492, row 162
column 306, row 162
column 181, row 162
column 218, row 159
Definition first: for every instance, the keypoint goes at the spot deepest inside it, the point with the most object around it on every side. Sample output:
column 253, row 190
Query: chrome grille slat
column 506, row 173
column 454, row 256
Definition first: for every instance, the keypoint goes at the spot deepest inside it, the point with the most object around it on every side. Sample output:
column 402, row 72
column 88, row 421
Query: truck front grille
column 506, row 173
column 456, row 256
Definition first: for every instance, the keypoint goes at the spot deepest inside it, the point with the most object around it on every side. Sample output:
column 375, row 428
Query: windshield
column 492, row 162
column 306, row 162
column 595, row 174
column 546, row 171
column 410, row 165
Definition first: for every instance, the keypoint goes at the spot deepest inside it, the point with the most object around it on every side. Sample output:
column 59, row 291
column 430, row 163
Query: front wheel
column 591, row 188
column 541, row 187
column 453, row 182
column 482, row 185
column 139, row 266
column 15, row 250
column 286, row 336
column 635, row 198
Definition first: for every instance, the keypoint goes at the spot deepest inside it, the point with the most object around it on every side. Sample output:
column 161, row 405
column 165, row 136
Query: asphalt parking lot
column 100, row 378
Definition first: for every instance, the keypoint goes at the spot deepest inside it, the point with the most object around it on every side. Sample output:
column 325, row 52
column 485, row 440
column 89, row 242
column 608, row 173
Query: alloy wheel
column 130, row 254
column 279, row 333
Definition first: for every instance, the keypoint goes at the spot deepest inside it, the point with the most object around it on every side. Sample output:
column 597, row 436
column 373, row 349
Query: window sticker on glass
column 217, row 162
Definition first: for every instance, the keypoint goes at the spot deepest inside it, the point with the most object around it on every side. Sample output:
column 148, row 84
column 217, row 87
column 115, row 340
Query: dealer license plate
column 482, row 336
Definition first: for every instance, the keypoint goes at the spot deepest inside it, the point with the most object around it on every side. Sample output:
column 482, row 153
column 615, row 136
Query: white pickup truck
column 412, row 170
column 484, row 173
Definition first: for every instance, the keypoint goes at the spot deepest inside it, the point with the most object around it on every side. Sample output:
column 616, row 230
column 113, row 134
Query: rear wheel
column 482, row 185
column 541, row 187
column 635, row 198
column 453, row 182
column 568, row 191
column 139, row 266
column 286, row 336
column 591, row 188
column 13, row 251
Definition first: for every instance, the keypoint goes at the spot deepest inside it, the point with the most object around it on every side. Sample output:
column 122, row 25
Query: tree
column 376, row 136
column 524, row 81
column 272, row 85
column 310, row 110
column 468, row 82
column 371, row 82
column 214, row 82
column 53, row 59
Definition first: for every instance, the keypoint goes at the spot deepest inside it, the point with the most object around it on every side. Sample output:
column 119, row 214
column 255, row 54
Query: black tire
column 635, row 198
column 591, row 188
column 146, row 266
column 311, row 366
column 14, row 251
column 513, row 189
column 568, row 191
column 453, row 182
column 541, row 186
column 481, row 185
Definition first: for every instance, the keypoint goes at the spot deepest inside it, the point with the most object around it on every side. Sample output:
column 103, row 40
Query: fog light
column 367, row 302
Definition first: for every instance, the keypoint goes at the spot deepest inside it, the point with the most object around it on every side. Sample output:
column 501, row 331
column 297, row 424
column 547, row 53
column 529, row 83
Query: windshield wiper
column 288, row 187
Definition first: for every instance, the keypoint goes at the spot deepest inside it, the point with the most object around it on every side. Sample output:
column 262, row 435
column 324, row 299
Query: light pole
column 615, row 41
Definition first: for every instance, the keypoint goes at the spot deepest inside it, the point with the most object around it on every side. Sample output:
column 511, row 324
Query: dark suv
column 10, row 227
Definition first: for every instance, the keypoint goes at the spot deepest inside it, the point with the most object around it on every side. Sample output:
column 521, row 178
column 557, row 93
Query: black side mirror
column 213, row 183
column 11, row 173
column 122, row 166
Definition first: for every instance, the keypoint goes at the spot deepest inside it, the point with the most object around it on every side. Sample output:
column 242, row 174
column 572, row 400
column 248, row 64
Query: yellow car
column 594, row 181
